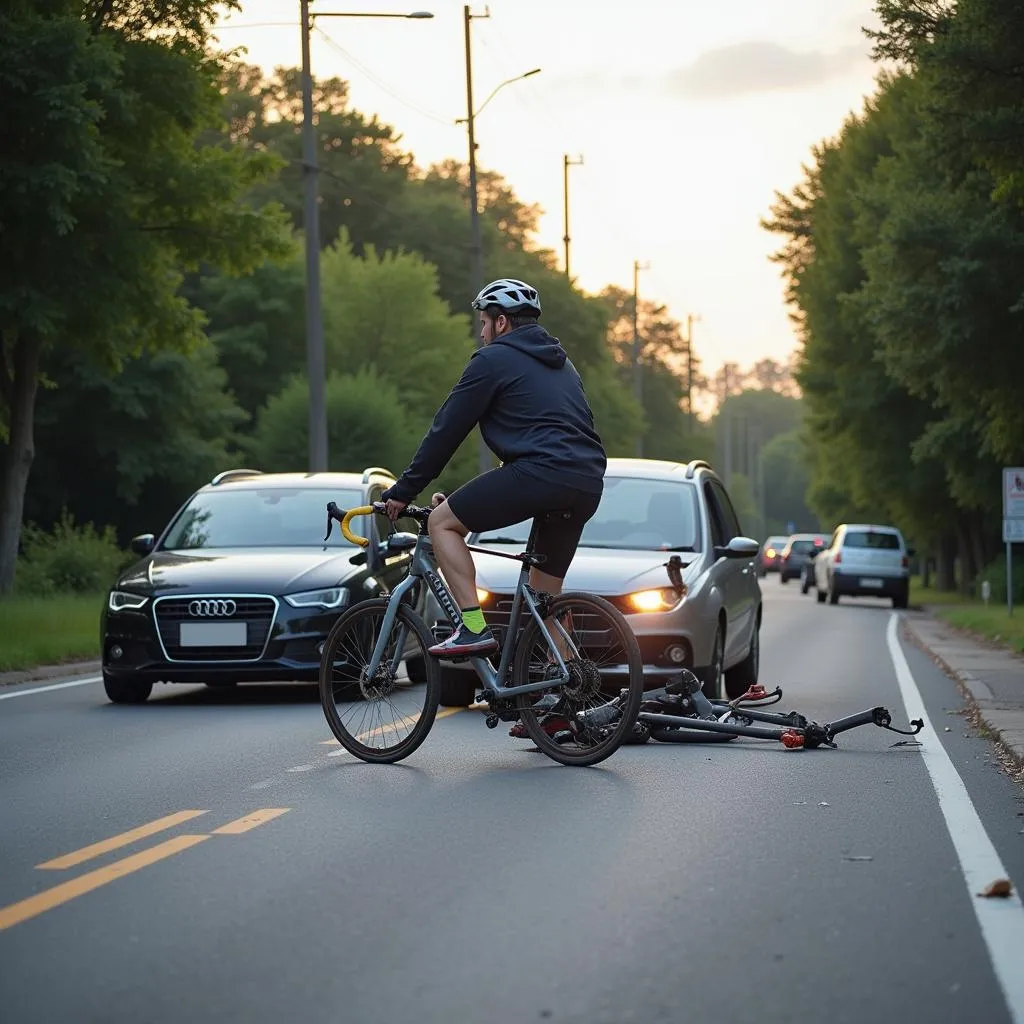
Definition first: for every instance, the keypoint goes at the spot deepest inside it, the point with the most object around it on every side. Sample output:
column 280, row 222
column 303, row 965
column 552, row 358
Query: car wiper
column 681, row 547
column 500, row 540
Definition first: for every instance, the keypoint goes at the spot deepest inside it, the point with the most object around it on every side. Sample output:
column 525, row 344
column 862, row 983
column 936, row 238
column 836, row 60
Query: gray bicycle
column 568, row 666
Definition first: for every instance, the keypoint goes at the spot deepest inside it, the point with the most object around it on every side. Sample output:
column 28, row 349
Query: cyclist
column 524, row 392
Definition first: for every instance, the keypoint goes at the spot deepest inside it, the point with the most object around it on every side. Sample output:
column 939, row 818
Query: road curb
column 978, row 696
column 31, row 675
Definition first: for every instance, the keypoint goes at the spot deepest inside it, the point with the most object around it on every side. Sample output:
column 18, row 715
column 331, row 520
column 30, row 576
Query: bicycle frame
column 424, row 566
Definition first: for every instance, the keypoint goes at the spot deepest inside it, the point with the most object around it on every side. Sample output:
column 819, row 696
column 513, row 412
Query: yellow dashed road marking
column 70, row 860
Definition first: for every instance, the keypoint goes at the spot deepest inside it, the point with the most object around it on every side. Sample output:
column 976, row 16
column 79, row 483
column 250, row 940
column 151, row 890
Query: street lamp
column 316, row 362
column 477, row 245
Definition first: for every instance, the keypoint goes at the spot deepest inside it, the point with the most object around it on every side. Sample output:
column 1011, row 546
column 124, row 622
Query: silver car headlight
column 661, row 599
column 121, row 600
column 332, row 597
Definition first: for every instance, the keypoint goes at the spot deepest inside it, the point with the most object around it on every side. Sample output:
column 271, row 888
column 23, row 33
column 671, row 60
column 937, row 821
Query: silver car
column 864, row 560
column 654, row 516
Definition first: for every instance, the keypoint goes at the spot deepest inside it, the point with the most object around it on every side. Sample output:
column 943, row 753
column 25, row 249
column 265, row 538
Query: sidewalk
column 990, row 677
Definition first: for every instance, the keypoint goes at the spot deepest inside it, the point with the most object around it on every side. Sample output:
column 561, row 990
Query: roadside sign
column 1013, row 521
column 1013, row 531
column 1013, row 493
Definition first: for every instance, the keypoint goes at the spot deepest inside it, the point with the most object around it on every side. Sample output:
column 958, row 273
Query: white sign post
column 1013, row 522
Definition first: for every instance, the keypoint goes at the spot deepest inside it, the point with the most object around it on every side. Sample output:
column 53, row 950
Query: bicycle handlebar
column 417, row 512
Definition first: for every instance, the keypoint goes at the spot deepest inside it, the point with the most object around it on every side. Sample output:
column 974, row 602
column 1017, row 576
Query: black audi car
column 240, row 586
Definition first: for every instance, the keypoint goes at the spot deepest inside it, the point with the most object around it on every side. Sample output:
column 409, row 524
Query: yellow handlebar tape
column 363, row 510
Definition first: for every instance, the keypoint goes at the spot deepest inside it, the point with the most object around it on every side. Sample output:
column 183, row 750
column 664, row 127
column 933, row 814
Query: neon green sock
column 473, row 619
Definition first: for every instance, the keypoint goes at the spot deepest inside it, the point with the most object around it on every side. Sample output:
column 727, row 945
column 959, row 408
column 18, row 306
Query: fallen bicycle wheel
column 605, row 660
column 384, row 717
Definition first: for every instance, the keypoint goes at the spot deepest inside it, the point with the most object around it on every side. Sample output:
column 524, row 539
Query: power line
column 381, row 84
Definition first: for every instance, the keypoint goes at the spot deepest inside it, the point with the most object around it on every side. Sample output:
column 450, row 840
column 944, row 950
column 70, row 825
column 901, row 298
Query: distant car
column 240, row 586
column 864, row 560
column 795, row 555
column 771, row 555
column 651, row 512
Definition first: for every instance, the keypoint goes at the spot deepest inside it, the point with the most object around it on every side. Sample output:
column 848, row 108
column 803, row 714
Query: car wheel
column 744, row 675
column 805, row 586
column 833, row 594
column 711, row 677
column 127, row 691
column 783, row 578
column 820, row 594
column 458, row 688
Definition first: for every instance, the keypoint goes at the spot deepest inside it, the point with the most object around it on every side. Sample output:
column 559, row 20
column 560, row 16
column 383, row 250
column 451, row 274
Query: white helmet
column 511, row 295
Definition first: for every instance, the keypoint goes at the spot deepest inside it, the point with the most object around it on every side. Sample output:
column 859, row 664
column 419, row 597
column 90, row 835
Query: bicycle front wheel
column 586, row 719
column 382, row 718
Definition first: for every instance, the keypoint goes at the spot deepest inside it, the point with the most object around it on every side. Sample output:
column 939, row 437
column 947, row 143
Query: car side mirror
column 739, row 547
column 143, row 544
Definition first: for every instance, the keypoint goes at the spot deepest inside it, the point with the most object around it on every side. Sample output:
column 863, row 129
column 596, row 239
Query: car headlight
column 121, row 600
column 661, row 600
column 332, row 597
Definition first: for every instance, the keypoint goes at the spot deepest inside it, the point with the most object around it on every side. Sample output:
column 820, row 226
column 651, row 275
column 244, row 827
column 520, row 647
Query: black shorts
column 507, row 495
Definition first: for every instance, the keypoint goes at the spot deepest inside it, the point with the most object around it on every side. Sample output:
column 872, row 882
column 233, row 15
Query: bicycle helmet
column 510, row 295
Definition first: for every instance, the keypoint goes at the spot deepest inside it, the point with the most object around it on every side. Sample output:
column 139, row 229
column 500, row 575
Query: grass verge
column 49, row 630
column 993, row 622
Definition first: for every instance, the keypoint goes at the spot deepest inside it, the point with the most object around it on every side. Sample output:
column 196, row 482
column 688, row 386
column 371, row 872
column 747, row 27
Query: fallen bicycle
column 681, row 713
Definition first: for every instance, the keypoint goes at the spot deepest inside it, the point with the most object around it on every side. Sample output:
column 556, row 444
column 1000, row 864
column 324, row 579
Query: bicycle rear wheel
column 386, row 721
column 597, row 709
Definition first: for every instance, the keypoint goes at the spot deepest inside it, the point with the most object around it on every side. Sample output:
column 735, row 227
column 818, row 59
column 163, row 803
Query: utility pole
column 316, row 361
column 638, row 387
column 691, row 319
column 476, row 271
column 566, row 164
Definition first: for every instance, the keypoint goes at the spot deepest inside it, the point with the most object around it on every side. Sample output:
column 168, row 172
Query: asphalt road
column 210, row 856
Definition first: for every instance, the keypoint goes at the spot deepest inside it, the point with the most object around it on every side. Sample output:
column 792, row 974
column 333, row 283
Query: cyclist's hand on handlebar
column 437, row 497
column 394, row 508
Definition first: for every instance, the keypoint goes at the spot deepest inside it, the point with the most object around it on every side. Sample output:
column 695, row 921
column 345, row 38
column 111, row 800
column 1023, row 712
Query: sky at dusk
column 688, row 116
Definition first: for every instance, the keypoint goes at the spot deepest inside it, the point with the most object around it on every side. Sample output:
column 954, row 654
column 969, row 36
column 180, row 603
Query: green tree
column 153, row 432
column 103, row 209
column 366, row 425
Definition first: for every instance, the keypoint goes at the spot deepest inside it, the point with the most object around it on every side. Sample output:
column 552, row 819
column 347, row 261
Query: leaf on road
column 1000, row 887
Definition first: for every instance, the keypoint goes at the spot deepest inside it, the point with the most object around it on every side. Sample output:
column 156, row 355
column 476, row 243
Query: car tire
column 901, row 600
column 783, row 578
column 126, row 691
column 744, row 675
column 820, row 594
column 458, row 687
column 804, row 587
column 712, row 677
column 416, row 670
column 833, row 594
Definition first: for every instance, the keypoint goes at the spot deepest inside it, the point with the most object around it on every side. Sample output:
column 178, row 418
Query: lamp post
column 316, row 361
column 566, row 164
column 476, row 270
column 638, row 388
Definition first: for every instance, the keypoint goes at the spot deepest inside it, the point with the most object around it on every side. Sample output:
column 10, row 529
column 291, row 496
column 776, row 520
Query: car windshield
column 871, row 539
column 634, row 514
column 270, row 517
column 803, row 546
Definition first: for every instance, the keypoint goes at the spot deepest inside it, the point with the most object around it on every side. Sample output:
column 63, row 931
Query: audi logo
column 210, row 608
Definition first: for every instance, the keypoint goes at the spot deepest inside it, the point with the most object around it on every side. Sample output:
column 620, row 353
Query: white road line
column 1001, row 920
column 55, row 686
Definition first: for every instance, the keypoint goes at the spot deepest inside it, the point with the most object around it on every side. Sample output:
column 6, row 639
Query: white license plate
column 213, row 634
column 871, row 583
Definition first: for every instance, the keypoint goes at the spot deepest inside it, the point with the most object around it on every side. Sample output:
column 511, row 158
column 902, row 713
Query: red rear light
column 906, row 562
column 838, row 558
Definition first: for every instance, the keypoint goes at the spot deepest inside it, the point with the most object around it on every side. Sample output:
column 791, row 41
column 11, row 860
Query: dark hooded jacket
column 529, row 401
